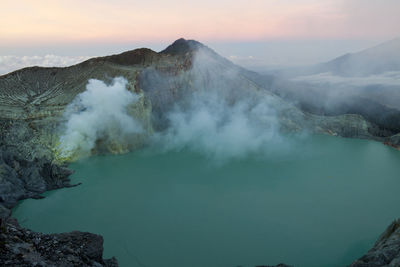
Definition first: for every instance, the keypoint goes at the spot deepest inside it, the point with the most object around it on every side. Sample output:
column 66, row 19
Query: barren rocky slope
column 33, row 101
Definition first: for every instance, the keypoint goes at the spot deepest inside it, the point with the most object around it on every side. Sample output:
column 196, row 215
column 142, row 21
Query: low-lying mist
column 365, row 83
column 378, row 103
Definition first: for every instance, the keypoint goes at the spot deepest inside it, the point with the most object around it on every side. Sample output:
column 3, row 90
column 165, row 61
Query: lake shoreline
column 377, row 251
column 23, row 247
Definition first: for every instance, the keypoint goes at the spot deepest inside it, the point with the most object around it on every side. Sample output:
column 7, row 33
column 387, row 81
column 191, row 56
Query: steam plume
column 99, row 113
column 224, row 116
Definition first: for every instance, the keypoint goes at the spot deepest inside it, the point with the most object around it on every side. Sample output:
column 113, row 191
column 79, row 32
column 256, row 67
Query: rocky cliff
column 386, row 251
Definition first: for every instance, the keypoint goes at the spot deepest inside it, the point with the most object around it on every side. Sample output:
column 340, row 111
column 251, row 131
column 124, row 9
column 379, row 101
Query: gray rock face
column 395, row 140
column 386, row 251
column 21, row 247
column 4, row 212
column 21, row 178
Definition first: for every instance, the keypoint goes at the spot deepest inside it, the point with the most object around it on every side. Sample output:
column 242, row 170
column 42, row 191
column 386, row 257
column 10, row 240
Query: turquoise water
column 322, row 202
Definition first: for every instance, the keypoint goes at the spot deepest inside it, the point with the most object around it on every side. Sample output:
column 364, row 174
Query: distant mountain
column 372, row 61
column 376, row 60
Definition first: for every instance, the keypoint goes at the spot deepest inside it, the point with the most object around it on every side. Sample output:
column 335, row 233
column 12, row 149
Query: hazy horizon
column 258, row 35
column 258, row 56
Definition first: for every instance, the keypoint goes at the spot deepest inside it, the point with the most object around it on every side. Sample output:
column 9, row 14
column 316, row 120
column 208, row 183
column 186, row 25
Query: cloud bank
column 391, row 78
column 12, row 63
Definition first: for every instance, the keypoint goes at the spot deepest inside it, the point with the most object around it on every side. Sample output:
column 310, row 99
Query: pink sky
column 34, row 22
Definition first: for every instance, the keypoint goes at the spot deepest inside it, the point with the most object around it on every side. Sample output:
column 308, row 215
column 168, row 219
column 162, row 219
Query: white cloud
column 11, row 63
column 391, row 78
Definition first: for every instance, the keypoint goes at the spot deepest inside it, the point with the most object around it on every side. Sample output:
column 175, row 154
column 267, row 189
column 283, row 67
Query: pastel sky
column 43, row 21
column 310, row 30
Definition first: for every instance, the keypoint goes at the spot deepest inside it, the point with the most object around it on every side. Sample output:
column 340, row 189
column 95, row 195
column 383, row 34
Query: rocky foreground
column 21, row 179
column 21, row 247
column 32, row 104
column 386, row 251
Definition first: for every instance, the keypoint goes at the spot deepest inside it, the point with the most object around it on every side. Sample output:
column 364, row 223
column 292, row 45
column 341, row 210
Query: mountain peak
column 182, row 46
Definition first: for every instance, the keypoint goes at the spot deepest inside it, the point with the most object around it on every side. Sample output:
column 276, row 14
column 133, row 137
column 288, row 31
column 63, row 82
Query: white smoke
column 220, row 130
column 223, row 116
column 100, row 112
